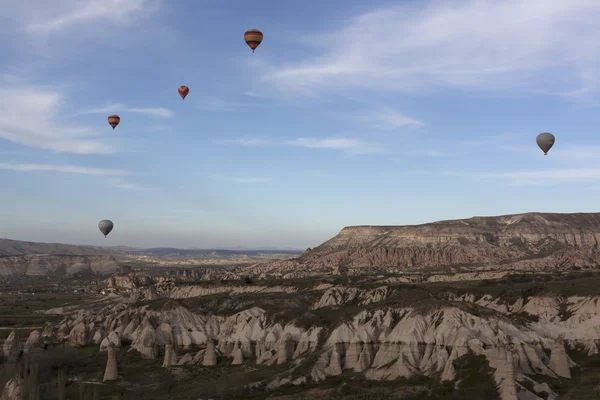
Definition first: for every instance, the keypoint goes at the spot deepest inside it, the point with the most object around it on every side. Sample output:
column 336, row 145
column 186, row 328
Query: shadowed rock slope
column 522, row 241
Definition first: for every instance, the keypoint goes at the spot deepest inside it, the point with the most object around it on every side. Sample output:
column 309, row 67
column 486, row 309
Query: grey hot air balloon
column 545, row 141
column 105, row 226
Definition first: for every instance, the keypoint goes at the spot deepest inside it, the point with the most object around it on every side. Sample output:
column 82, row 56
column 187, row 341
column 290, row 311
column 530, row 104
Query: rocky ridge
column 534, row 241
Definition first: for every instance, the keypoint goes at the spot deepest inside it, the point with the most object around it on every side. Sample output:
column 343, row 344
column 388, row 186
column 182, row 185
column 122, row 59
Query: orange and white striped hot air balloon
column 253, row 38
column 183, row 91
column 114, row 120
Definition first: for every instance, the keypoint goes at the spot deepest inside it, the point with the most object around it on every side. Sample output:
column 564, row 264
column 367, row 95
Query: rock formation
column 170, row 356
column 210, row 356
column 390, row 335
column 286, row 349
column 78, row 336
column 11, row 347
column 559, row 362
column 12, row 390
column 34, row 340
column 238, row 356
column 111, row 373
column 531, row 240
column 502, row 360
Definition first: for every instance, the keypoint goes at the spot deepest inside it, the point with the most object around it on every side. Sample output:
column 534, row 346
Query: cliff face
column 532, row 240
column 45, row 265
column 508, row 230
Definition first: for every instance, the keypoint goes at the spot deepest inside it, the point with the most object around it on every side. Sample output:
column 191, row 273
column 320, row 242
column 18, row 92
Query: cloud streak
column 159, row 112
column 122, row 184
column 440, row 44
column 67, row 13
column 117, row 181
column 348, row 145
column 545, row 177
column 32, row 117
column 71, row 169
column 387, row 118
column 247, row 180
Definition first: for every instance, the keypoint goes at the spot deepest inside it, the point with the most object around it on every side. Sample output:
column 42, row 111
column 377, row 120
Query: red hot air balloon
column 183, row 91
column 253, row 38
column 114, row 120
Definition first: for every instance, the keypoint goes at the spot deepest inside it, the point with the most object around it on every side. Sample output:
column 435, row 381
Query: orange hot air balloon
column 183, row 91
column 253, row 38
column 114, row 120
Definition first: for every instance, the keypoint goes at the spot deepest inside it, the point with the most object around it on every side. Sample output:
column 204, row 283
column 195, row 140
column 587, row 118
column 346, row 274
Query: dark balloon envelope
column 545, row 141
column 183, row 91
column 105, row 226
column 253, row 38
column 114, row 120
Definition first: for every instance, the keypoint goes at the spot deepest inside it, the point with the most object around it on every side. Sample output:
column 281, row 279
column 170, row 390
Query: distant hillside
column 523, row 241
column 9, row 247
column 213, row 253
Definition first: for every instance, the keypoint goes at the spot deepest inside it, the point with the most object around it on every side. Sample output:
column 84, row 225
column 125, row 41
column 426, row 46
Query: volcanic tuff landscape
column 482, row 308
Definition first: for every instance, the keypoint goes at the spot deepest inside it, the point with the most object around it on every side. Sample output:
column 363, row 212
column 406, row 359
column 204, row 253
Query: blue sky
column 349, row 113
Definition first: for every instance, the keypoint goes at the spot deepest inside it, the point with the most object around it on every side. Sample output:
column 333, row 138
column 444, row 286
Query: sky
column 348, row 113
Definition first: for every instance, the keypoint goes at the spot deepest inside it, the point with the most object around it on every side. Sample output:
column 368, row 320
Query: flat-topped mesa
column 522, row 241
column 570, row 229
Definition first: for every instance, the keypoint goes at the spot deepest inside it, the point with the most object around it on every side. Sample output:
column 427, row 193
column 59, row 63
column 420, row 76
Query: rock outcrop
column 210, row 356
column 111, row 373
column 11, row 347
column 34, row 341
column 12, row 390
column 532, row 240
column 170, row 355
column 559, row 362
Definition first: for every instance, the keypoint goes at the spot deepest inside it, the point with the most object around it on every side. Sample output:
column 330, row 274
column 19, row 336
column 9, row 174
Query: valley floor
column 524, row 336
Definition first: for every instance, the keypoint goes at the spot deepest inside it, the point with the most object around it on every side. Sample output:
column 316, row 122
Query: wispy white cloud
column 554, row 176
column 251, row 93
column 348, row 145
column 387, row 118
column 122, row 184
column 33, row 117
column 252, row 180
column 353, row 146
column 72, row 169
column 244, row 141
column 432, row 153
column 530, row 177
column 121, row 108
column 422, row 45
column 544, row 177
column 241, row 179
column 64, row 14
column 575, row 153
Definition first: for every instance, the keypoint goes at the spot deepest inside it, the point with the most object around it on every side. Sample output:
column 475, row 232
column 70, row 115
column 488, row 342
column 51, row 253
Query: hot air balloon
column 114, row 120
column 183, row 91
column 253, row 38
column 545, row 141
column 105, row 226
